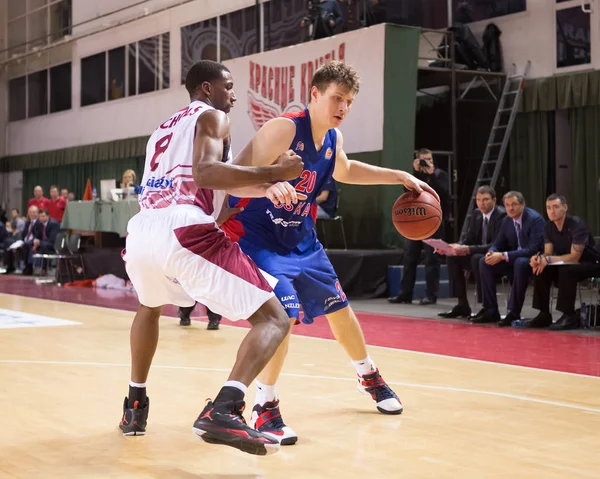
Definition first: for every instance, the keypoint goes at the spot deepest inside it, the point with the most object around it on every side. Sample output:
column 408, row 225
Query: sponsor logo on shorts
column 288, row 298
column 291, row 306
column 331, row 301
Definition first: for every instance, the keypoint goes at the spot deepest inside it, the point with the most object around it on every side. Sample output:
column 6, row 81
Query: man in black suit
column 521, row 237
column 566, row 239
column 44, row 232
column 483, row 230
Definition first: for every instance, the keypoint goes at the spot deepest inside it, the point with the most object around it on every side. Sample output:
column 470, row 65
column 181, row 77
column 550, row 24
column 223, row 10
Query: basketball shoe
column 134, row 419
column 223, row 423
column 267, row 419
column 386, row 399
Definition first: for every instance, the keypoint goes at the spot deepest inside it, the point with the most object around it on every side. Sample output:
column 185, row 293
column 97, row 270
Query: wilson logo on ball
column 411, row 211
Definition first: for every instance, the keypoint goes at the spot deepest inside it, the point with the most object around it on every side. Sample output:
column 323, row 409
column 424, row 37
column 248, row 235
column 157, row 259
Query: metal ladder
column 498, row 139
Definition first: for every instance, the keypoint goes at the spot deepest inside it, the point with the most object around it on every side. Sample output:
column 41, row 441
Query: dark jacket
column 47, row 237
column 532, row 236
column 473, row 238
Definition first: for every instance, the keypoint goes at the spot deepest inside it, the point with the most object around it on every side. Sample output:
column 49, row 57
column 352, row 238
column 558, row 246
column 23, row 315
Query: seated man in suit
column 484, row 227
column 521, row 236
column 44, row 232
column 25, row 249
column 566, row 239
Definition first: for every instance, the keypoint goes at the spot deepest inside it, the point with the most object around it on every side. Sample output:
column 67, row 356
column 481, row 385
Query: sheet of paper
column 437, row 244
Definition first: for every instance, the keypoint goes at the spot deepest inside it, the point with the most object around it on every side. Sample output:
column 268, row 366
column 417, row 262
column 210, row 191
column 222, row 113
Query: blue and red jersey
column 285, row 229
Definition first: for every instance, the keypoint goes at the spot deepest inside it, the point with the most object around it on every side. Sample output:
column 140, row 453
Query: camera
column 423, row 163
column 313, row 9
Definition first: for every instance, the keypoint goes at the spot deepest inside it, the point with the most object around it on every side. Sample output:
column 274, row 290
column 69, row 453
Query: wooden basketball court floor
column 62, row 387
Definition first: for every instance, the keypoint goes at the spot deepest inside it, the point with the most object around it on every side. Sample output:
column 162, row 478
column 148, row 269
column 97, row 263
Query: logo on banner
column 271, row 91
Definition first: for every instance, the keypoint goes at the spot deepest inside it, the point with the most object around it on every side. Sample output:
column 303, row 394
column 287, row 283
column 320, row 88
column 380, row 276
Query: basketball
column 417, row 216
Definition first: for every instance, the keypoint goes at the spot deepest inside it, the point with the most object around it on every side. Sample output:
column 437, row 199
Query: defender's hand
column 289, row 165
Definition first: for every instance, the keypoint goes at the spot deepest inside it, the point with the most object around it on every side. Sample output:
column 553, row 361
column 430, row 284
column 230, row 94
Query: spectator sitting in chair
column 521, row 236
column 327, row 200
column 17, row 224
column 25, row 249
column 566, row 240
column 44, row 232
column 482, row 232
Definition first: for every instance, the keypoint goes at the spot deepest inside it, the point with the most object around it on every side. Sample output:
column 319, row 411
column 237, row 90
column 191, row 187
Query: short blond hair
column 336, row 72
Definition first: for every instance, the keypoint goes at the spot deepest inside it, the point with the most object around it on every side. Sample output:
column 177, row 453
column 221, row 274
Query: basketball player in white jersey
column 175, row 253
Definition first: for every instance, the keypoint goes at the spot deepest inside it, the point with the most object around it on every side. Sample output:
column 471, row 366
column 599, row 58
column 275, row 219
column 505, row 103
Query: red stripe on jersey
column 294, row 114
column 208, row 242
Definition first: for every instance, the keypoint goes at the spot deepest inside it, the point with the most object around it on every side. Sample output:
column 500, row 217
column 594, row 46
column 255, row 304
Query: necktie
column 518, row 229
column 484, row 231
column 44, row 232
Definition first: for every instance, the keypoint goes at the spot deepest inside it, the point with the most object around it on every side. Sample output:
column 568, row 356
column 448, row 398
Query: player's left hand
column 414, row 184
column 283, row 193
column 227, row 212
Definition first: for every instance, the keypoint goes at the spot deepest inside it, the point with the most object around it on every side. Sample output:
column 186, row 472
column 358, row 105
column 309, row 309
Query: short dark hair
column 487, row 190
column 17, row 210
column 45, row 211
column 424, row 151
column 202, row 71
column 54, row 186
column 517, row 194
column 556, row 196
column 336, row 72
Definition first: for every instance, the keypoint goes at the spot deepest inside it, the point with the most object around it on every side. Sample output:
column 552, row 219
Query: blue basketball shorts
column 305, row 280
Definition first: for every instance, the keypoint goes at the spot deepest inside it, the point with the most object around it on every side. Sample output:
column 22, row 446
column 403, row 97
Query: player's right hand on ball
column 289, row 165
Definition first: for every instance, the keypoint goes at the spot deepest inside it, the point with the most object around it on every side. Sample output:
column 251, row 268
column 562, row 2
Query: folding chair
column 61, row 252
column 336, row 218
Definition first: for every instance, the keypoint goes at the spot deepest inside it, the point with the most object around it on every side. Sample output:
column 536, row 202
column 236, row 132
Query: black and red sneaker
column 134, row 419
column 386, row 399
column 223, row 423
column 267, row 418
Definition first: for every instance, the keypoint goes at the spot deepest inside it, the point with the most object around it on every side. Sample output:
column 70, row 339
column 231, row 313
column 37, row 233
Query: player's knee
column 283, row 323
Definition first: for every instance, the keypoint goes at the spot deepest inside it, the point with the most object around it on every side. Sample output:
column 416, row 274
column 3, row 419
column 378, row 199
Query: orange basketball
column 417, row 216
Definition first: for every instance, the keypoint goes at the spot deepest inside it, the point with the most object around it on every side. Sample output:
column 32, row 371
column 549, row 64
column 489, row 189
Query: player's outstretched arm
column 358, row 173
column 273, row 138
column 209, row 171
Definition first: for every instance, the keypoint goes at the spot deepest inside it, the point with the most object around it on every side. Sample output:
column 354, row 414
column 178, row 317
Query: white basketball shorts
column 178, row 255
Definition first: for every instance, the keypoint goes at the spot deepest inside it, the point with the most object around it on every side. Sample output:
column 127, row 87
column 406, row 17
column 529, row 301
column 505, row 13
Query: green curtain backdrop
column 74, row 176
column 585, row 134
column 400, row 109
column 528, row 157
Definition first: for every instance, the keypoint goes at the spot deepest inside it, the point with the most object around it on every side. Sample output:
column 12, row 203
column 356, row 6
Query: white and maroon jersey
column 168, row 176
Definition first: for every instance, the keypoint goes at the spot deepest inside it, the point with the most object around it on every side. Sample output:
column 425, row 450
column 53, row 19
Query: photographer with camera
column 322, row 19
column 425, row 170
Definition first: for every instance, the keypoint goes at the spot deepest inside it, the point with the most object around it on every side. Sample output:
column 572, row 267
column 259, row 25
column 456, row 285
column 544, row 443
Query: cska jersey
column 284, row 229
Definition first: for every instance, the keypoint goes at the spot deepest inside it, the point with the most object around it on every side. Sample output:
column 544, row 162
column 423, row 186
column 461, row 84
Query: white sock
column 137, row 385
column 265, row 393
column 364, row 366
column 238, row 385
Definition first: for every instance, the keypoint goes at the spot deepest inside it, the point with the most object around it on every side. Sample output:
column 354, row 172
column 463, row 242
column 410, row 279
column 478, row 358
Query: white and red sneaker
column 386, row 399
column 267, row 419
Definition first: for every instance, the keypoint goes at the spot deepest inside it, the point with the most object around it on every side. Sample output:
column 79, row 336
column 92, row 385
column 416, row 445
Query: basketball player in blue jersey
column 282, row 241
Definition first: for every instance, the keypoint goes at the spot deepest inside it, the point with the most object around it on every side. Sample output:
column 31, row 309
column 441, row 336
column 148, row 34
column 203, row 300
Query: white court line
column 482, row 361
column 329, row 378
